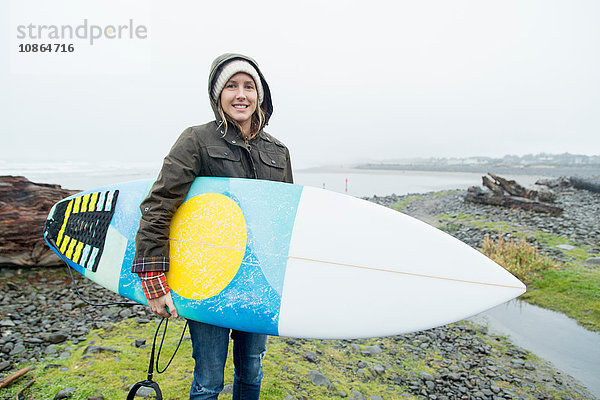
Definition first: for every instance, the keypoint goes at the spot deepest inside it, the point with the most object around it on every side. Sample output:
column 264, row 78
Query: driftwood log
column 12, row 377
column 24, row 207
column 589, row 183
column 508, row 193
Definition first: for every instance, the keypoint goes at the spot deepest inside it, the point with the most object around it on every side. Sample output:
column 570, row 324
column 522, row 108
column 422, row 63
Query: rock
column 57, row 337
column 4, row 365
column 139, row 343
column 425, row 376
column 379, row 369
column 311, row 356
column 591, row 183
column 99, row 349
column 24, row 207
column 593, row 262
column 356, row 395
column 65, row 393
column 18, row 348
column 372, row 350
column 318, row 378
column 454, row 376
column 96, row 398
column 566, row 247
column 517, row 363
column 143, row 391
column 7, row 348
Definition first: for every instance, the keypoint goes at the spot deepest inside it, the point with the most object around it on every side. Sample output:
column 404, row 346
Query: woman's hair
column 258, row 118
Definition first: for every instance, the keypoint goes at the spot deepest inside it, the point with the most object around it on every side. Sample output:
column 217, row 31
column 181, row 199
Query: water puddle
column 551, row 336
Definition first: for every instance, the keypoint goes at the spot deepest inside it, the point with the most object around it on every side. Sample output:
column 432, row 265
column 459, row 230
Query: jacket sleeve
column 288, row 177
column 180, row 168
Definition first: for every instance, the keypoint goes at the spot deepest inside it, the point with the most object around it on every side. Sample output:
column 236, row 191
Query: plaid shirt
column 154, row 284
column 151, row 271
column 150, row 264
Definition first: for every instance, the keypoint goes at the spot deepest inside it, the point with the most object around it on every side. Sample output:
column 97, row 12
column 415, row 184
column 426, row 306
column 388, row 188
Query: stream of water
column 551, row 336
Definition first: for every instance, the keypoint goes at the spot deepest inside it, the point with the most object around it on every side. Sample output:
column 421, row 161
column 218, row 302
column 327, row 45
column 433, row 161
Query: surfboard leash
column 118, row 303
column 149, row 383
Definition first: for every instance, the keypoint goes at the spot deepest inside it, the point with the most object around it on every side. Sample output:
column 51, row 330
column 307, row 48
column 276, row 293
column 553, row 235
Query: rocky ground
column 38, row 310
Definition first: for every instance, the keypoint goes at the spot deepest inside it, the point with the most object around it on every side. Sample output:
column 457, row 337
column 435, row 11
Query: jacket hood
column 216, row 68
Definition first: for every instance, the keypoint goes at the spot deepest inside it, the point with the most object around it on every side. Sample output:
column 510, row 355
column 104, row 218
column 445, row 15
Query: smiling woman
column 238, row 100
column 236, row 146
column 241, row 90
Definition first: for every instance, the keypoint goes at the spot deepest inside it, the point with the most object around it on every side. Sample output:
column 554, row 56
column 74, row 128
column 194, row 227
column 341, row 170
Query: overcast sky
column 351, row 81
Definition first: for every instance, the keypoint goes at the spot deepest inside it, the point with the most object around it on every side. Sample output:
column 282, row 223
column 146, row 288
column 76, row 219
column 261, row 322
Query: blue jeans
column 209, row 350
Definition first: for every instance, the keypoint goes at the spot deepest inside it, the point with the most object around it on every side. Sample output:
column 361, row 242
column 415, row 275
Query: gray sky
column 351, row 81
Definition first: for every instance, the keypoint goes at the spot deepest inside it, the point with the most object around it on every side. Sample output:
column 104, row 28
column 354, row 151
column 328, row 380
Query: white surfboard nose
column 377, row 272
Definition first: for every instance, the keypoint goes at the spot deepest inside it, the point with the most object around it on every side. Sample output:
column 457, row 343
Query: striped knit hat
column 232, row 68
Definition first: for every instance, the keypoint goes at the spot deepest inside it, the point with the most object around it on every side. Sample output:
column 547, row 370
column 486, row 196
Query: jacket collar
column 232, row 135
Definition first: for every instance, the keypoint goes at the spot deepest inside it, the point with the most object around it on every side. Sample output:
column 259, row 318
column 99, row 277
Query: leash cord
column 161, row 345
column 121, row 303
column 149, row 382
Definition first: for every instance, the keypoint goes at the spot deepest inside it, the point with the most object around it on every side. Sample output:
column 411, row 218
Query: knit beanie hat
column 232, row 68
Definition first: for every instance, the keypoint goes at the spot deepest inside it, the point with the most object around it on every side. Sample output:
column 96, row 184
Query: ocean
column 354, row 182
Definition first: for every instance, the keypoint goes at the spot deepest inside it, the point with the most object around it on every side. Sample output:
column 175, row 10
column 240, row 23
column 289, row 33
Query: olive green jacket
column 205, row 150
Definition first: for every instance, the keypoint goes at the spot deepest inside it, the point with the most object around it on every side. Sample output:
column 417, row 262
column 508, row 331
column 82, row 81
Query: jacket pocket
column 224, row 162
column 274, row 165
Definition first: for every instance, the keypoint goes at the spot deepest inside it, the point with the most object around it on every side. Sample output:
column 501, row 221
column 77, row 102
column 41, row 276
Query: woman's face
column 239, row 99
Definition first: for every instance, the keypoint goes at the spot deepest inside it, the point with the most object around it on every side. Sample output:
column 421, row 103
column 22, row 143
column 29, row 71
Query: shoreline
column 550, row 171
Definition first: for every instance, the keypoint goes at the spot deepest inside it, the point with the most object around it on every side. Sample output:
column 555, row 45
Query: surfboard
column 284, row 259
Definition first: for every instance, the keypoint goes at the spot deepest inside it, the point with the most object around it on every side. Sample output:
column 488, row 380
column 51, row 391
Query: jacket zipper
column 251, row 160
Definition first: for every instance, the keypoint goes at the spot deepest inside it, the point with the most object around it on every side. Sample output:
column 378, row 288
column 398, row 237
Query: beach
column 45, row 323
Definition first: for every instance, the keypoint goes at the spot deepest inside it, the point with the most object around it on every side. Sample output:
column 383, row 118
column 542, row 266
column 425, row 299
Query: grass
column 401, row 205
column 519, row 258
column 573, row 291
column 569, row 288
column 286, row 368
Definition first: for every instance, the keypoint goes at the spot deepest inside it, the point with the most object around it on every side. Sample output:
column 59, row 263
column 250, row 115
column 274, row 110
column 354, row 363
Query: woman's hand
column 163, row 306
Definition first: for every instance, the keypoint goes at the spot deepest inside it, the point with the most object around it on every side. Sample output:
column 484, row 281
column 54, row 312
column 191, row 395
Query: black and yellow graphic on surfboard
column 79, row 225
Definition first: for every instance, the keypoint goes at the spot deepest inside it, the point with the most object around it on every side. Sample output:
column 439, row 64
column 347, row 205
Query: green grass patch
column 574, row 291
column 402, row 204
column 520, row 258
column 568, row 288
column 579, row 254
column 286, row 367
column 452, row 222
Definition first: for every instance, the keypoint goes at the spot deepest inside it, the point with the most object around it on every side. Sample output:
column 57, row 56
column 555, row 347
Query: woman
column 234, row 145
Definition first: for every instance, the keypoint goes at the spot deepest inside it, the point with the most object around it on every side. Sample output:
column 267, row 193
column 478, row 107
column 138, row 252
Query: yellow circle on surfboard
column 207, row 245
